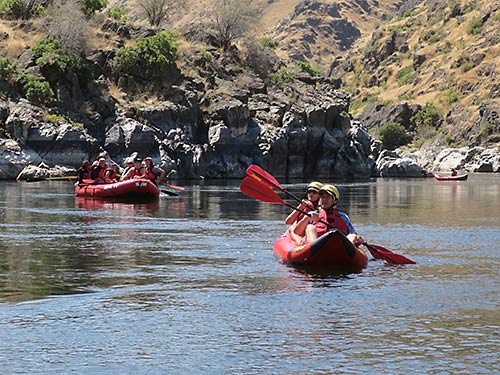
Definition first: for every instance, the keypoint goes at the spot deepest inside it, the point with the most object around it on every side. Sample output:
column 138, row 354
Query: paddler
column 313, row 226
column 312, row 201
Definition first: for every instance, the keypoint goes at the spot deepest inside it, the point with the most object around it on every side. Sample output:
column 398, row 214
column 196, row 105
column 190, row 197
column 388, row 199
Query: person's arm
column 160, row 174
column 300, row 227
column 352, row 235
column 127, row 175
column 294, row 215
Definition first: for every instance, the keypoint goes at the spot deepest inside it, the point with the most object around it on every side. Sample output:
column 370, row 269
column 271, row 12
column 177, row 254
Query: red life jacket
column 111, row 173
column 97, row 172
column 137, row 171
column 150, row 174
column 332, row 217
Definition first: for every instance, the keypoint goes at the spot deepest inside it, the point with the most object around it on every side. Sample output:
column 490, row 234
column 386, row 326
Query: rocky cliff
column 216, row 112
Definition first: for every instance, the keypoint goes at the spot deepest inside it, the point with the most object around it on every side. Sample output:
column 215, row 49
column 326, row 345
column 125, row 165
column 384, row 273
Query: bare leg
column 311, row 233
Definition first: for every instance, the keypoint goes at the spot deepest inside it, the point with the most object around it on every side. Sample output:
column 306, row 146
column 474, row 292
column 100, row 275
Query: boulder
column 43, row 171
column 125, row 135
column 13, row 158
column 391, row 164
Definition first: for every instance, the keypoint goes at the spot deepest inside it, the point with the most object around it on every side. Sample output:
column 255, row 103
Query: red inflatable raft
column 134, row 188
column 461, row 177
column 332, row 251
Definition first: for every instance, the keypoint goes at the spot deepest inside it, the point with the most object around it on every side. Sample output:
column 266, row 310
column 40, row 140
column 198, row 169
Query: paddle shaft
column 261, row 175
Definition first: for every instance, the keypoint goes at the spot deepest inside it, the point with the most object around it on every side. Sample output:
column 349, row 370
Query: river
column 189, row 284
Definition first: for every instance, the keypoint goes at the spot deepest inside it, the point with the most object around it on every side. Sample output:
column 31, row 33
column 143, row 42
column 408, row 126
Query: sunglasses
column 312, row 191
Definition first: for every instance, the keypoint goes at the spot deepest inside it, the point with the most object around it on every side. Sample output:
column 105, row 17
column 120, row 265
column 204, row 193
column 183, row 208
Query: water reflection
column 119, row 207
column 198, row 271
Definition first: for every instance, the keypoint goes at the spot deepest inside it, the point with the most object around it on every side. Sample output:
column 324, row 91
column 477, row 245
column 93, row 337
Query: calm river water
column 189, row 284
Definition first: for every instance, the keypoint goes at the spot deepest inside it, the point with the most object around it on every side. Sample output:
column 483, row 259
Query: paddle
column 167, row 177
column 259, row 190
column 256, row 189
column 175, row 187
column 379, row 252
column 261, row 175
column 172, row 193
column 38, row 179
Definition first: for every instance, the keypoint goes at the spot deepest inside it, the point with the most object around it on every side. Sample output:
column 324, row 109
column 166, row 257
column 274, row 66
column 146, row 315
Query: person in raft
column 311, row 228
column 137, row 171
column 153, row 172
column 312, row 191
column 83, row 172
column 129, row 164
column 111, row 174
column 98, row 171
column 454, row 172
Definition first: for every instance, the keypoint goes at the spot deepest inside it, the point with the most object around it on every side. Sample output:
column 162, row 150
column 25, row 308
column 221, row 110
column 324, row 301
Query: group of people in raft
column 104, row 171
column 320, row 206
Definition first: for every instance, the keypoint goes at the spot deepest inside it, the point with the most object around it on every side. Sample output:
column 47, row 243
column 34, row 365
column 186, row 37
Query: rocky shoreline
column 311, row 139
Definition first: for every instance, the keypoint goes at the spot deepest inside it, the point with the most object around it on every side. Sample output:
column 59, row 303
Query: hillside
column 383, row 52
column 389, row 52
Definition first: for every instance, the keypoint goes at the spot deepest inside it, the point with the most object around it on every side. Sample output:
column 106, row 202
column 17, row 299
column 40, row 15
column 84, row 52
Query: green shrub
column 10, row 9
column 117, row 14
column 153, row 55
column 283, row 75
column 57, row 119
column 7, row 69
column 487, row 129
column 392, row 135
column 475, row 25
column 431, row 36
column 466, row 66
column 449, row 96
column 308, row 68
column 37, row 92
column 92, row 6
column 428, row 116
column 49, row 53
column 406, row 75
column 269, row 42
column 407, row 96
column 205, row 56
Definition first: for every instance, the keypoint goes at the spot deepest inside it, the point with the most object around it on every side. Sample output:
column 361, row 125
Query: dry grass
column 18, row 40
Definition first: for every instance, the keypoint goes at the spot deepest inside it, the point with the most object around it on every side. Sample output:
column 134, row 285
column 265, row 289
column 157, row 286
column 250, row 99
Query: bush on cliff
column 49, row 54
column 392, row 135
column 8, row 69
column 10, row 9
column 150, row 57
column 92, row 6
column 36, row 91
column 427, row 116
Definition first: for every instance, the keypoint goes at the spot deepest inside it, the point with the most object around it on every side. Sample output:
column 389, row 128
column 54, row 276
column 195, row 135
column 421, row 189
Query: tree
column 156, row 10
column 230, row 20
column 67, row 23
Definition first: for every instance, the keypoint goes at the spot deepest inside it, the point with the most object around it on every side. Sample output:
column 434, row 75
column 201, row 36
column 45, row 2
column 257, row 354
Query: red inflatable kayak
column 331, row 251
column 134, row 188
column 461, row 177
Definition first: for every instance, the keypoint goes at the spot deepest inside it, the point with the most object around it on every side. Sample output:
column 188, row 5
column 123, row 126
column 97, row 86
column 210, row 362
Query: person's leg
column 311, row 233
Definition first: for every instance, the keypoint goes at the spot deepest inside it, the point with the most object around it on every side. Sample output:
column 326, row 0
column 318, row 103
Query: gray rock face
column 391, row 164
column 52, row 143
column 13, row 158
column 299, row 130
